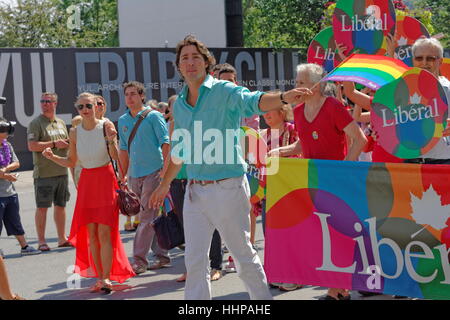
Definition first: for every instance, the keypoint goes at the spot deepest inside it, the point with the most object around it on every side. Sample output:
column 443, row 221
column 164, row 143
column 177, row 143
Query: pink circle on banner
column 410, row 114
column 362, row 25
column 408, row 30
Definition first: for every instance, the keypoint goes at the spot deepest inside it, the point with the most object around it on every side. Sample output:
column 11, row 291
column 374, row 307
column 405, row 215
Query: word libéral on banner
column 340, row 224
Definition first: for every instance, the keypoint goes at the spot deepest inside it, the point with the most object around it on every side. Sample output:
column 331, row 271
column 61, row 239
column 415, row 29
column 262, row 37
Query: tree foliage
column 281, row 23
column 440, row 17
column 59, row 23
column 294, row 23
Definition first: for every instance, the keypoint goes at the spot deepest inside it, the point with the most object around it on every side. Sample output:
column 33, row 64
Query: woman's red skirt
column 97, row 203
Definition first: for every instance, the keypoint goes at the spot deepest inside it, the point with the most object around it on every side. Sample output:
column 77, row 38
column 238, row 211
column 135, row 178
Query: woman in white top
column 94, row 231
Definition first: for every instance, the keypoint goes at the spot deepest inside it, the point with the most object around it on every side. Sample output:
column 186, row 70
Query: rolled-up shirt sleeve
column 159, row 126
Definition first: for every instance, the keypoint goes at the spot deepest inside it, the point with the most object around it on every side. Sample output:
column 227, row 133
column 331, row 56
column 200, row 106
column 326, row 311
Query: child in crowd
column 9, row 200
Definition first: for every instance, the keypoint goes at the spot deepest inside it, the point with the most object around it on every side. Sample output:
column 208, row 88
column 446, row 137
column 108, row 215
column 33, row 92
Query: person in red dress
column 95, row 224
column 322, row 124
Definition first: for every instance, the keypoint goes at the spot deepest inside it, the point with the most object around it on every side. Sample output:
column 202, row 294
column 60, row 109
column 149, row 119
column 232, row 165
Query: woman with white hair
column 95, row 231
column 322, row 124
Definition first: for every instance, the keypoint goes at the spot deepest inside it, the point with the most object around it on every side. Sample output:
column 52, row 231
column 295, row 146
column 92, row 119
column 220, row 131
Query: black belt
column 205, row 182
column 427, row 160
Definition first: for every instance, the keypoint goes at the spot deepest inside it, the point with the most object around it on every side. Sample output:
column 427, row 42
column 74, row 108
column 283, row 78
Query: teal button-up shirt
column 145, row 150
column 206, row 136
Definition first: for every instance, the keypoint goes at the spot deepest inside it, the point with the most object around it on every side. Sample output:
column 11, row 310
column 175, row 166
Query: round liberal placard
column 408, row 30
column 410, row 114
column 361, row 25
column 322, row 49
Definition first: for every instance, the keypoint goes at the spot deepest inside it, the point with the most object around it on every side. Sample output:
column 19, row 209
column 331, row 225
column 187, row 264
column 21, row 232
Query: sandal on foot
column 182, row 278
column 106, row 286
column 65, row 244
column 44, row 247
column 128, row 227
column 216, row 274
column 339, row 297
column 96, row 287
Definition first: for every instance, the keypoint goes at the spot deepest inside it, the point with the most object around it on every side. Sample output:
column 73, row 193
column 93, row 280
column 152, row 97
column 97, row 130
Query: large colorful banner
column 379, row 227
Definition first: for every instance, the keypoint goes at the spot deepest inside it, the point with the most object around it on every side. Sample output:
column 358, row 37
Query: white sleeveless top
column 91, row 147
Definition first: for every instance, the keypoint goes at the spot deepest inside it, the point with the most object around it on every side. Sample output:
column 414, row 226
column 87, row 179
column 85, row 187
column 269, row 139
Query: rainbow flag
column 380, row 227
column 445, row 68
column 372, row 71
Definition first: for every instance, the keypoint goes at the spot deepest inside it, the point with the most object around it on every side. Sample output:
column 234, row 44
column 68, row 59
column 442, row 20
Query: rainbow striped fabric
column 372, row 71
column 445, row 68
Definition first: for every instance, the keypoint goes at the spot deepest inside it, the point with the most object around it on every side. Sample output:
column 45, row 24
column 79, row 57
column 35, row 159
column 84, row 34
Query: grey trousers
column 145, row 234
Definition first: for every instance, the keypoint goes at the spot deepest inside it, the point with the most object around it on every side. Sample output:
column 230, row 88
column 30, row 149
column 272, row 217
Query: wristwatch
column 282, row 99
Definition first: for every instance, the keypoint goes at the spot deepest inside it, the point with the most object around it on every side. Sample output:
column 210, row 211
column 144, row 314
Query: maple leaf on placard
column 429, row 210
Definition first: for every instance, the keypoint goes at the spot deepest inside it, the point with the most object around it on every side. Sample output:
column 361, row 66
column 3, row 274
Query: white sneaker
column 29, row 251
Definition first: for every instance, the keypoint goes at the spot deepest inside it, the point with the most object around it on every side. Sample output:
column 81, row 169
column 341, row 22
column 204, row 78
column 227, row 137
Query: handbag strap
column 109, row 155
column 142, row 116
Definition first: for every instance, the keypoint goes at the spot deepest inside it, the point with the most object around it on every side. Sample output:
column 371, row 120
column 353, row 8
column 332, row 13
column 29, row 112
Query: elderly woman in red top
column 322, row 124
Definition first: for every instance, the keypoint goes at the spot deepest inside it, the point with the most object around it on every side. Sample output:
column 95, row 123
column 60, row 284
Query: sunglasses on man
column 100, row 104
column 47, row 101
column 427, row 58
column 87, row 105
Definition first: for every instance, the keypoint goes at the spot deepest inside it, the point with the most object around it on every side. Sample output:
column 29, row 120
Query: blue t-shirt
column 145, row 150
column 206, row 136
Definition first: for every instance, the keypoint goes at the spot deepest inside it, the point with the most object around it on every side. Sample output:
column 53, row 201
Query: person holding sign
column 427, row 55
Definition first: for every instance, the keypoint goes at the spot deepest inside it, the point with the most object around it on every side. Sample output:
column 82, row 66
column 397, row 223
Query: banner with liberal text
column 379, row 227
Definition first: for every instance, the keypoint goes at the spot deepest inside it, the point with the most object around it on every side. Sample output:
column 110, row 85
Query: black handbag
column 168, row 229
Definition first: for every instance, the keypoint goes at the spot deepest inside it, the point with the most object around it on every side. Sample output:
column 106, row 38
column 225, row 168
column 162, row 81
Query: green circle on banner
column 322, row 49
column 410, row 114
column 408, row 30
column 362, row 25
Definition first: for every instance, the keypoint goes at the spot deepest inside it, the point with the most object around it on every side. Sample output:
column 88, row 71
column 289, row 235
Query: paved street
column 45, row 276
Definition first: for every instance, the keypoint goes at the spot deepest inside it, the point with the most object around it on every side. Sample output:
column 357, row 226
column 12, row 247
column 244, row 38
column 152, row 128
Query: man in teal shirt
column 145, row 159
column 207, row 115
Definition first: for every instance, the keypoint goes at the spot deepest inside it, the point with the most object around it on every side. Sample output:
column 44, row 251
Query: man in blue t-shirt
column 207, row 115
column 145, row 159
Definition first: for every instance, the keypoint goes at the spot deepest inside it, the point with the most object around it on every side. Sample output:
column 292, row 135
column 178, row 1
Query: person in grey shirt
column 9, row 200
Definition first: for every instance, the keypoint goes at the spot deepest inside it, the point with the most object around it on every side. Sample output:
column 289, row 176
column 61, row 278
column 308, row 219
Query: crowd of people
column 315, row 120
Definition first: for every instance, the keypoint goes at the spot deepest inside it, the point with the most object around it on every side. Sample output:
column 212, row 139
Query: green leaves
column 281, row 23
column 59, row 23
